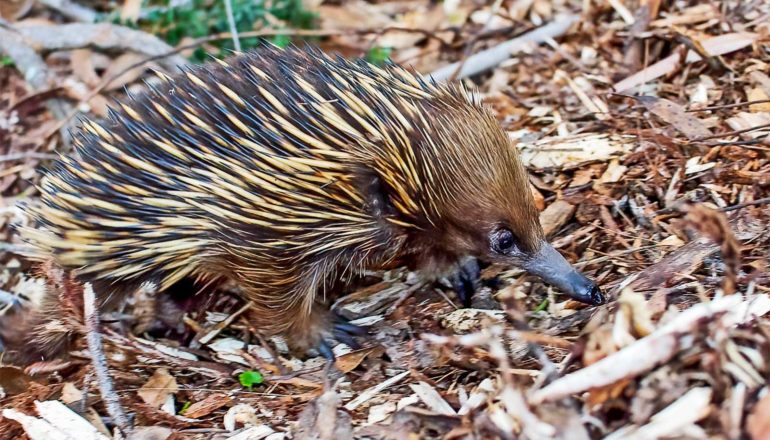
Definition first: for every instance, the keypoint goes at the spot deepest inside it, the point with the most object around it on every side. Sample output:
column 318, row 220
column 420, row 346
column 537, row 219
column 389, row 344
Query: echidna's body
column 278, row 169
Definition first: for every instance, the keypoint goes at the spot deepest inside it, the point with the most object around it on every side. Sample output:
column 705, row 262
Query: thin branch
column 724, row 106
column 231, row 23
column 761, row 201
column 731, row 133
column 469, row 46
column 27, row 155
column 72, row 10
column 99, row 361
column 104, row 36
column 34, row 69
column 488, row 59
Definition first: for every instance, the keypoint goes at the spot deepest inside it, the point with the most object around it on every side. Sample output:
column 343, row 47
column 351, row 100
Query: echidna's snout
column 553, row 268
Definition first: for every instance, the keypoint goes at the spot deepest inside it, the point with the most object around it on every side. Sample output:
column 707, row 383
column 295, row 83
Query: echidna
column 279, row 170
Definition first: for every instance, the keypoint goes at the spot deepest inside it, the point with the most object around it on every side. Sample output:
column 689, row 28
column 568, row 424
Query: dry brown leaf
column 613, row 173
column 353, row 15
column 573, row 151
column 13, row 380
column 432, row 399
column 157, row 389
column 694, row 14
column 746, row 120
column 206, row 406
column 555, row 216
column 298, row 382
column 13, row 9
column 350, row 361
column 56, row 422
column 597, row 396
column 119, row 65
column 539, row 199
column 70, row 393
column 675, row 114
column 758, row 94
column 762, row 80
column 582, row 176
column 83, row 67
column 429, row 20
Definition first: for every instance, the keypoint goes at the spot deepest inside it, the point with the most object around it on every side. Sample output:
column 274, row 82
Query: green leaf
column 378, row 55
column 281, row 40
column 200, row 18
column 6, row 61
column 542, row 306
column 185, row 407
column 250, row 378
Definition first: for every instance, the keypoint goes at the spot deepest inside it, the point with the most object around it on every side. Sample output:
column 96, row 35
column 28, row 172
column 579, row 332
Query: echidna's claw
column 350, row 329
column 326, row 350
column 347, row 339
column 344, row 332
column 466, row 279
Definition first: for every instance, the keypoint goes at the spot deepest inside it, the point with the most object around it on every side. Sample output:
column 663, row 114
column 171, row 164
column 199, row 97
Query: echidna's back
column 261, row 153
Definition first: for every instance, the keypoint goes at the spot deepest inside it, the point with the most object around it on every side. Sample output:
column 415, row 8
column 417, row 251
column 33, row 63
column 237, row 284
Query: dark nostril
column 596, row 295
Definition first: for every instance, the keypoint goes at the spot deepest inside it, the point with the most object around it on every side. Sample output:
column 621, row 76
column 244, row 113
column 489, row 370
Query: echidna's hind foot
column 28, row 336
column 342, row 331
column 320, row 329
column 10, row 307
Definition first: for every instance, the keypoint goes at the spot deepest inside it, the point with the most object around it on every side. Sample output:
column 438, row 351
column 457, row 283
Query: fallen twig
column 72, row 10
column 488, row 59
column 104, row 36
column 32, row 66
column 29, row 63
column 99, row 361
column 231, row 24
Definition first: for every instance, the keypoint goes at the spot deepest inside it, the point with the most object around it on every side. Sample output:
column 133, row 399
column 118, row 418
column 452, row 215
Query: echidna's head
column 474, row 197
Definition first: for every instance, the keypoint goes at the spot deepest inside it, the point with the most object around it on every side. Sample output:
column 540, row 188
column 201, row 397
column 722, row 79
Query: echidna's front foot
column 344, row 332
column 465, row 280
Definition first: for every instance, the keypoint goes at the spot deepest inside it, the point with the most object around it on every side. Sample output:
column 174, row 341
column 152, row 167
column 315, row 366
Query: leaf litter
column 644, row 127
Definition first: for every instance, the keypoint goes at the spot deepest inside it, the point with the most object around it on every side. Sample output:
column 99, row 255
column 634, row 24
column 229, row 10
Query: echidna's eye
column 503, row 240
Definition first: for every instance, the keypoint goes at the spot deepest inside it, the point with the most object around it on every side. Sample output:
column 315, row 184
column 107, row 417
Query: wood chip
column 373, row 391
column 432, row 399
column 714, row 46
column 658, row 347
column 158, row 388
column 674, row 420
column 675, row 115
column 207, row 406
column 556, row 215
column 56, row 422
column 574, row 151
